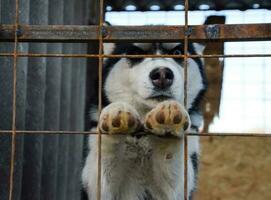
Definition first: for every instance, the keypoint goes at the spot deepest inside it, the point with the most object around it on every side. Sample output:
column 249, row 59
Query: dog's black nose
column 162, row 78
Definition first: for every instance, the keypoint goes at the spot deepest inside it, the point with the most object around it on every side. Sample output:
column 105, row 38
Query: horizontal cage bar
column 222, row 134
column 80, row 34
column 131, row 56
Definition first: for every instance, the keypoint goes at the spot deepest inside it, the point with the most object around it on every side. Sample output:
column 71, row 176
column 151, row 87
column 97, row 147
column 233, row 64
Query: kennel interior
column 49, row 56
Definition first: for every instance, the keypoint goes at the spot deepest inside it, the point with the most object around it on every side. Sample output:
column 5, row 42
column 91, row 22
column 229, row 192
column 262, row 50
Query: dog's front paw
column 119, row 118
column 168, row 117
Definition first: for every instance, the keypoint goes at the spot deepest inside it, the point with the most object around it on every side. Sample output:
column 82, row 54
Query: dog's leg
column 118, row 153
column 168, row 117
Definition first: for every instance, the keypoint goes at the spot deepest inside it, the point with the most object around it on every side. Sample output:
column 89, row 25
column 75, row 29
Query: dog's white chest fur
column 148, row 168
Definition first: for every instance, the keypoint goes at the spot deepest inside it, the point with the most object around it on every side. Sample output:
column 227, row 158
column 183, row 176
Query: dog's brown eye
column 134, row 50
column 177, row 52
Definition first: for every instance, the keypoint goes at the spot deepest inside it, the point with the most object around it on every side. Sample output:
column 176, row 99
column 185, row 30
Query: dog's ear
column 199, row 48
column 108, row 47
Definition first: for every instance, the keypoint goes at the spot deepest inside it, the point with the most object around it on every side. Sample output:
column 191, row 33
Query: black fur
column 195, row 159
column 196, row 104
column 84, row 195
column 195, row 163
column 148, row 195
column 130, row 49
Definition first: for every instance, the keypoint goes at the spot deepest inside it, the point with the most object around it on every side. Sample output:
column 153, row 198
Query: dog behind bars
column 143, row 122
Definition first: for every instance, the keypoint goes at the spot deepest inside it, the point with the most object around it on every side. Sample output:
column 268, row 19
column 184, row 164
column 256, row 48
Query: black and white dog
column 145, row 95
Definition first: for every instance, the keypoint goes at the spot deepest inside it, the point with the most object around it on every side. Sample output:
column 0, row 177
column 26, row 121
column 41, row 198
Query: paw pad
column 105, row 127
column 167, row 118
column 119, row 118
column 160, row 117
column 177, row 118
column 116, row 121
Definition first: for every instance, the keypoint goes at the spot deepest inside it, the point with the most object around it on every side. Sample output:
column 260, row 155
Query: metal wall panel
column 35, row 107
column 52, row 108
column 50, row 95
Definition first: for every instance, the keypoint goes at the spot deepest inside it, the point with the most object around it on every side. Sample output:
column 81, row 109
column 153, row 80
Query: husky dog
column 143, row 123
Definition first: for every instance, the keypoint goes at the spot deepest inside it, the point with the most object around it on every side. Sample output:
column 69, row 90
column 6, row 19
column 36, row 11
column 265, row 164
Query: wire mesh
column 101, row 38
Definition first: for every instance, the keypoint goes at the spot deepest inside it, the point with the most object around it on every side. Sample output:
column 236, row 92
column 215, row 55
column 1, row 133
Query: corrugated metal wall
column 50, row 96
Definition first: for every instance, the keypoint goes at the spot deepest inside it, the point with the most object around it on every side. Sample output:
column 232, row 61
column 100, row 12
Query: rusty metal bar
column 186, row 35
column 185, row 138
column 131, row 56
column 49, row 132
column 50, row 33
column 13, row 136
column 230, row 56
column 80, row 34
column 100, row 77
column 222, row 134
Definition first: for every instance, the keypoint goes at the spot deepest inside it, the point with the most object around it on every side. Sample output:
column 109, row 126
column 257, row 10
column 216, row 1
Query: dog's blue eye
column 177, row 52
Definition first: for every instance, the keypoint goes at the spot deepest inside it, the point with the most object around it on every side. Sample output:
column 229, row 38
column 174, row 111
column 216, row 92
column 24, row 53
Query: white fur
column 134, row 86
column 130, row 165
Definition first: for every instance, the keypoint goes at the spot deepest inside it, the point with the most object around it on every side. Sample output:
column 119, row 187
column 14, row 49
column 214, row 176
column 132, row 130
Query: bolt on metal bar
column 13, row 139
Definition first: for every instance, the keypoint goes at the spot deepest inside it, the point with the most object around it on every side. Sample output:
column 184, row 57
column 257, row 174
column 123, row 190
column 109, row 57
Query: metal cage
column 44, row 121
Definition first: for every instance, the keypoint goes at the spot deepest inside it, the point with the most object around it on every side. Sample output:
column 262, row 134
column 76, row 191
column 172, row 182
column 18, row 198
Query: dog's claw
column 119, row 118
column 168, row 117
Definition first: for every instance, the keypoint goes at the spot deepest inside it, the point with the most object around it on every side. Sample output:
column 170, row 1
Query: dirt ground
column 234, row 168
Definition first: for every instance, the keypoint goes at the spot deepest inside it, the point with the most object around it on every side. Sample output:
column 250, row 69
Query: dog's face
column 144, row 82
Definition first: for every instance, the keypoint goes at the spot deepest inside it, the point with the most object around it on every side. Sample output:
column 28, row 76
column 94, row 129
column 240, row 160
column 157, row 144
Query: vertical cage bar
column 185, row 166
column 100, row 96
column 13, row 140
column 185, row 95
column 21, row 95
